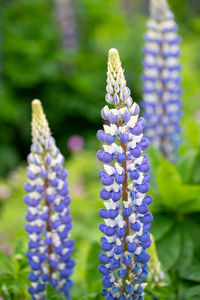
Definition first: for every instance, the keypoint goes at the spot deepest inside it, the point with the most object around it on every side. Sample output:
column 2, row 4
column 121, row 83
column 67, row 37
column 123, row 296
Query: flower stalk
column 161, row 80
column 49, row 222
column 127, row 220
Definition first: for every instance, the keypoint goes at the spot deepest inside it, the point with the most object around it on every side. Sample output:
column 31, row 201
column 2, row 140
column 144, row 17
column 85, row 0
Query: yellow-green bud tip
column 114, row 59
column 37, row 106
column 158, row 9
column 113, row 53
column 39, row 120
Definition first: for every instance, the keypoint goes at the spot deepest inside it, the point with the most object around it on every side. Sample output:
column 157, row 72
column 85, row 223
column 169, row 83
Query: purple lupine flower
column 49, row 222
column 125, row 178
column 161, row 80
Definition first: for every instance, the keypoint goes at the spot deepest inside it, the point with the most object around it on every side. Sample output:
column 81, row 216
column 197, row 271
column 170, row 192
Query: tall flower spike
column 161, row 80
column 49, row 222
column 127, row 221
column 65, row 17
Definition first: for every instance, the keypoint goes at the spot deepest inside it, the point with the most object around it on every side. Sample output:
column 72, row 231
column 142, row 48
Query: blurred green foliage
column 71, row 84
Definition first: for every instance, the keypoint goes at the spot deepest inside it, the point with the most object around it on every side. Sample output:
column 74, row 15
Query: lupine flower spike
column 161, row 80
column 50, row 248
column 127, row 221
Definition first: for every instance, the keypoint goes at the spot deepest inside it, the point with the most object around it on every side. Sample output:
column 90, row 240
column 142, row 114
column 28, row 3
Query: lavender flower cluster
column 161, row 80
column 49, row 222
column 125, row 178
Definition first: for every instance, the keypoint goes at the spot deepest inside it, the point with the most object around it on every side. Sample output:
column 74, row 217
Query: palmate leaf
column 174, row 195
column 169, row 248
column 6, row 266
column 191, row 133
column 161, row 225
column 191, row 206
column 187, row 249
column 189, row 196
column 160, row 292
column 190, row 266
column 192, row 272
column 186, row 165
column 187, row 292
column 169, row 182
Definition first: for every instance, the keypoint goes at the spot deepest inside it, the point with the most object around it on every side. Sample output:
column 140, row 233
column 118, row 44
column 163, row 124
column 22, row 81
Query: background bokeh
column 56, row 51
column 60, row 58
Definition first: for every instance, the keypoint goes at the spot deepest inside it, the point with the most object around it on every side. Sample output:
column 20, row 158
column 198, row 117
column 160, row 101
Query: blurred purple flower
column 65, row 12
column 75, row 143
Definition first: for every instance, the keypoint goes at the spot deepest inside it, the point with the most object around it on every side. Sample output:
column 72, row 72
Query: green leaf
column 169, row 248
column 196, row 169
column 155, row 157
column 176, row 196
column 186, row 292
column 190, row 198
column 169, row 183
column 191, row 131
column 187, row 249
column 93, row 277
column 186, row 164
column 51, row 294
column 6, row 266
column 193, row 292
column 161, row 292
column 191, row 272
column 161, row 225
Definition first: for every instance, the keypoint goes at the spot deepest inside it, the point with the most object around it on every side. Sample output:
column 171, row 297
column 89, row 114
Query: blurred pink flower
column 197, row 116
column 1, row 298
column 6, row 249
column 75, row 143
column 5, row 192
column 78, row 190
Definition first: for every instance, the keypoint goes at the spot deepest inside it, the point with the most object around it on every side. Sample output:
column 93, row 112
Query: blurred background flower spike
column 126, row 181
column 159, row 9
column 49, row 222
column 161, row 80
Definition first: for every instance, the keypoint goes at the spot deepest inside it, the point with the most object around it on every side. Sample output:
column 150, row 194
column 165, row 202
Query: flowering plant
column 124, row 263
column 48, row 212
column 161, row 80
